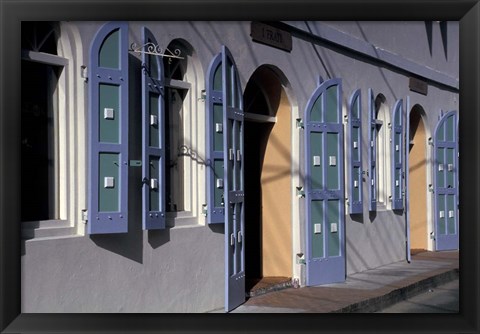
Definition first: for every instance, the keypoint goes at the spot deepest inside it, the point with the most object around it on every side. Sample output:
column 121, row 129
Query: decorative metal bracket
column 155, row 50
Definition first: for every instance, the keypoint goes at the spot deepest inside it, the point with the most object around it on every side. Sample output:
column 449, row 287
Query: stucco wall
column 176, row 270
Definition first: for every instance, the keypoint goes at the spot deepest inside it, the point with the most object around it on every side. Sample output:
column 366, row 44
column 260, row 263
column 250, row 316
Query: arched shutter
column 397, row 156
column 153, row 137
column 372, row 153
column 446, row 183
column 108, row 130
column 355, row 153
column 215, row 139
column 324, row 185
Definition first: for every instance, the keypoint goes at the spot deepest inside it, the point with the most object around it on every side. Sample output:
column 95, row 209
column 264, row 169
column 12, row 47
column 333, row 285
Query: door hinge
column 203, row 95
column 300, row 124
column 300, row 192
column 84, row 216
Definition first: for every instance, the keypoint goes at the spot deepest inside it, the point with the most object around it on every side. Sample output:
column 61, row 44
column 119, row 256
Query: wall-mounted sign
column 268, row 35
column 418, row 86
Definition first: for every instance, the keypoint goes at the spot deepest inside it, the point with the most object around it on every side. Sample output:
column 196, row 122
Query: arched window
column 40, row 76
column 382, row 120
column 51, row 123
column 181, row 129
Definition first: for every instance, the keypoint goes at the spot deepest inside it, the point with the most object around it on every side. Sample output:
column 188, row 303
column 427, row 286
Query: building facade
column 164, row 164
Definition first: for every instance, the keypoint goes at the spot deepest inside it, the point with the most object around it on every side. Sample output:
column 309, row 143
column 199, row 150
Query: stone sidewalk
column 368, row 291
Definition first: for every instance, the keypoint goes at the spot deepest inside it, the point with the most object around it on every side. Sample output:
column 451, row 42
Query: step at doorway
column 260, row 286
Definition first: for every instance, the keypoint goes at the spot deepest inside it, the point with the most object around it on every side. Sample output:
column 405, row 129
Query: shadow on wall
column 357, row 217
column 217, row 228
column 157, row 238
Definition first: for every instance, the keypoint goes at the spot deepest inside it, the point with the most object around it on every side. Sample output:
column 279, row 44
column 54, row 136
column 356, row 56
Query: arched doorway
column 268, row 181
column 418, row 188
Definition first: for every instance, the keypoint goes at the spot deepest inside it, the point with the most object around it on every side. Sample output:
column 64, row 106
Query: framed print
column 158, row 159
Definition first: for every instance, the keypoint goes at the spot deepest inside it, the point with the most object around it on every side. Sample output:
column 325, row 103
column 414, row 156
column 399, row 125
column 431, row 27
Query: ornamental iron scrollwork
column 155, row 50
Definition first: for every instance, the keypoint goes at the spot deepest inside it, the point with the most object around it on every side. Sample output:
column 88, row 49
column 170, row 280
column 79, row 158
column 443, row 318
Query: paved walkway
column 367, row 291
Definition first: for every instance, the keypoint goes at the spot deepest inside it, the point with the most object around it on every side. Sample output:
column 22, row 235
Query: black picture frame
column 13, row 12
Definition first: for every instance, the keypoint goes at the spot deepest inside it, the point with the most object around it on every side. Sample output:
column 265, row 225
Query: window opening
column 39, row 151
column 382, row 170
column 177, row 145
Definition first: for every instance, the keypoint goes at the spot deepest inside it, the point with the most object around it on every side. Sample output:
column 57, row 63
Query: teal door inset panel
column 332, row 162
column 333, row 226
column 154, row 138
column 441, row 226
column 317, row 110
column 154, row 191
column 109, row 126
column 316, row 149
column 108, row 54
column 108, row 199
column 331, row 112
column 218, row 121
column 219, row 183
column 317, row 228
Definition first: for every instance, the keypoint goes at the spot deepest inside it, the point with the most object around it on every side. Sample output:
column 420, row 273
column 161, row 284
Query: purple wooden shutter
column 108, row 130
column 355, row 153
column 372, row 153
column 397, row 156
column 234, row 189
column 153, row 138
column 446, row 183
column 324, row 185
column 215, row 139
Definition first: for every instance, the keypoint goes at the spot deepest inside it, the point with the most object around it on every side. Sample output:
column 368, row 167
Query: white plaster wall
column 176, row 270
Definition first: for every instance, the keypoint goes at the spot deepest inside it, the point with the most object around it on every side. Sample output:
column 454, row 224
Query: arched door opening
column 417, row 170
column 268, row 202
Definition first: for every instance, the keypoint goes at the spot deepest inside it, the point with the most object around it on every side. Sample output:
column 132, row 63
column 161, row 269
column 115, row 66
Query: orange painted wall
column 276, row 196
column 418, row 187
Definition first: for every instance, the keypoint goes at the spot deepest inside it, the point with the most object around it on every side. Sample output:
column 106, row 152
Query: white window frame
column 382, row 113
column 193, row 128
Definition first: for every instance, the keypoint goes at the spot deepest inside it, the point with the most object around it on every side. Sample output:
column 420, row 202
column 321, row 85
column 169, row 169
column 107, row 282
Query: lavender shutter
column 372, row 153
column 233, row 184
column 108, row 130
column 355, row 153
column 215, row 139
column 446, row 183
column 153, row 138
column 397, row 156
column 407, row 177
column 324, row 185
